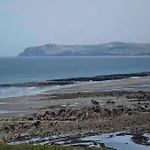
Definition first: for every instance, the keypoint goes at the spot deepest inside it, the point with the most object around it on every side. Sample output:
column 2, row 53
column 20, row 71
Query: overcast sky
column 26, row 23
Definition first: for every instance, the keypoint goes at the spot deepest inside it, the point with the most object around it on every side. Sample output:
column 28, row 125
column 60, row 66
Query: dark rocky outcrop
column 85, row 113
column 104, row 77
column 33, row 52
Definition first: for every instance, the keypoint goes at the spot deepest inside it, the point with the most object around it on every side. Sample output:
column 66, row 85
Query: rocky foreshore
column 83, row 121
column 132, row 116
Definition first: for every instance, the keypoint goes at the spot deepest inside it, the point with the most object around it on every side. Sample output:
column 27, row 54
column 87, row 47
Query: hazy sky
column 26, row 23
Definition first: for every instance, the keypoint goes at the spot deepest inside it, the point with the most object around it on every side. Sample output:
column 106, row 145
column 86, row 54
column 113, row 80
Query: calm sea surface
column 14, row 70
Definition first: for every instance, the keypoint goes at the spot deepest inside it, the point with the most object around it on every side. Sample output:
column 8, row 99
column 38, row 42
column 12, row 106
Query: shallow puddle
column 8, row 111
column 119, row 141
column 19, row 113
column 20, row 102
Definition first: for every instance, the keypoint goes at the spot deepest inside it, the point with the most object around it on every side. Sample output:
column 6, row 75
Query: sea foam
column 23, row 91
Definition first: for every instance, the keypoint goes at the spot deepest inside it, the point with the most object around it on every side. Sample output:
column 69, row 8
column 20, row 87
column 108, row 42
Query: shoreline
column 31, row 103
column 68, row 81
column 136, row 84
column 35, row 88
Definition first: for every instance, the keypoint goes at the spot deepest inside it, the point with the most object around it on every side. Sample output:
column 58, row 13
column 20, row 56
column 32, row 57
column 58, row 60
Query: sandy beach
column 30, row 104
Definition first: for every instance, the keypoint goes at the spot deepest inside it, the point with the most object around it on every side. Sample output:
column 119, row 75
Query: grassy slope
column 112, row 48
column 119, row 48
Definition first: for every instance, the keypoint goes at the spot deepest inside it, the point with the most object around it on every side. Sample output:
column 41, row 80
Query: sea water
column 27, row 69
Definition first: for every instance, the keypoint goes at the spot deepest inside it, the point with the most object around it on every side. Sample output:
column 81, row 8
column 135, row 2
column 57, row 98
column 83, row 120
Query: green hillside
column 112, row 48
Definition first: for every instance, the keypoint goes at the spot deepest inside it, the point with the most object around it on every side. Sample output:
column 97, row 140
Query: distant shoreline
column 111, row 55
column 110, row 48
column 82, row 56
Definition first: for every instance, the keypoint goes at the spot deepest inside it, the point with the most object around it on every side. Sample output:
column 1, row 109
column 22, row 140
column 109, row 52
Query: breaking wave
column 6, row 92
column 23, row 91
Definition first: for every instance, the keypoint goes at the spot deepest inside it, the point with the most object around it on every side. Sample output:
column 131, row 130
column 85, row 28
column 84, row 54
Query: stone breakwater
column 37, row 84
column 104, row 77
column 69, row 81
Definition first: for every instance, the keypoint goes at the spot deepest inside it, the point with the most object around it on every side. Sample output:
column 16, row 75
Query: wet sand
column 70, row 110
column 133, row 83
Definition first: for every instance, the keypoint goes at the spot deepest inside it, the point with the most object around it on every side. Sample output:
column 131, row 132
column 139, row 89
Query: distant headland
column 111, row 48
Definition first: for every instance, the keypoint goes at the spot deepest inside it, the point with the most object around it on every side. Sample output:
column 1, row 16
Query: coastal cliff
column 112, row 48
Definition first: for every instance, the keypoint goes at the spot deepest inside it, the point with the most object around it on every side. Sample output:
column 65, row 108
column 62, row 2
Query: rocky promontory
column 111, row 48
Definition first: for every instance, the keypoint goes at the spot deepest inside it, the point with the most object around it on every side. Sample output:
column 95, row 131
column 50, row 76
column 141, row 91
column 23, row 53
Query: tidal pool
column 119, row 140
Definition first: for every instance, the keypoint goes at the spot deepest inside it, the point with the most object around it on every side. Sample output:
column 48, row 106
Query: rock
column 140, row 139
column 25, row 126
column 110, row 101
column 53, row 114
column 6, row 128
column 102, row 145
column 47, row 113
column 12, row 127
column 94, row 102
column 30, row 118
column 37, row 123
